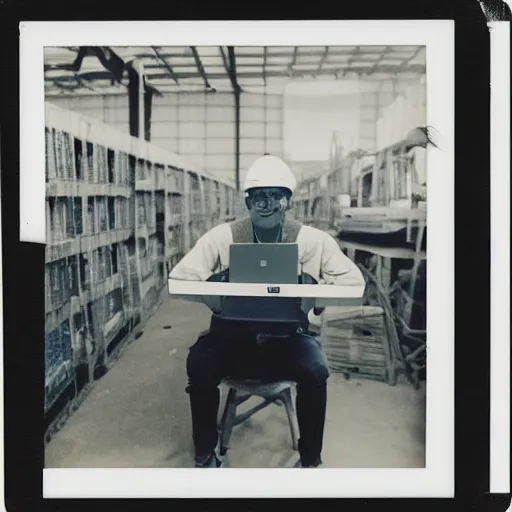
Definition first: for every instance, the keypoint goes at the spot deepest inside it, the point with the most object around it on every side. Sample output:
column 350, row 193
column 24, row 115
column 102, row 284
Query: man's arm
column 200, row 262
column 336, row 268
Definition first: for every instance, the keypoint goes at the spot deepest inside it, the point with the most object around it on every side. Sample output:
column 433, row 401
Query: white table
column 322, row 294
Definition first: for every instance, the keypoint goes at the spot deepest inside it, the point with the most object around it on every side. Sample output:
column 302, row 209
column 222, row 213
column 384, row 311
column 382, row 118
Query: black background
column 23, row 263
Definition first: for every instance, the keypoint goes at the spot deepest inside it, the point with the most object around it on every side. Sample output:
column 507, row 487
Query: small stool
column 238, row 391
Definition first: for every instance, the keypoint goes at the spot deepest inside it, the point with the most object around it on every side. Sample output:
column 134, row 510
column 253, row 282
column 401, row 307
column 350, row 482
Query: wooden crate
column 355, row 341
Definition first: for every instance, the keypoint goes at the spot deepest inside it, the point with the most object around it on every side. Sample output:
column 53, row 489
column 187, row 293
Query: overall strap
column 242, row 231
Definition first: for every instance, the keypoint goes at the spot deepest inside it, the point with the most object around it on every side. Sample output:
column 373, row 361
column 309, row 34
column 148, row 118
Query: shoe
column 298, row 464
column 210, row 461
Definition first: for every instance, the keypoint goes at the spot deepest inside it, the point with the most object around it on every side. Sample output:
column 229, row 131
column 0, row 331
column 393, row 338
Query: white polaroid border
column 437, row 478
column 500, row 258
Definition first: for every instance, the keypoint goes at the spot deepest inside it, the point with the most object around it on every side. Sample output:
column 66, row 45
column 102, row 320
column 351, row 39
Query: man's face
column 267, row 207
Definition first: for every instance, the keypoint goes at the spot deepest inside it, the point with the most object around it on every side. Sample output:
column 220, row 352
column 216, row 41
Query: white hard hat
column 270, row 171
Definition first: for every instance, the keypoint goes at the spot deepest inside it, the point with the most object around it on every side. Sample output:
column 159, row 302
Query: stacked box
column 119, row 212
column 355, row 341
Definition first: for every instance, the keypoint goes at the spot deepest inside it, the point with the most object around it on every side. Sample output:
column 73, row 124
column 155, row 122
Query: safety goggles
column 267, row 198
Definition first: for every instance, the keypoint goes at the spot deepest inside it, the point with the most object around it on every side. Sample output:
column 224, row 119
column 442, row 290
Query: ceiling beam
column 51, row 89
column 200, row 67
column 108, row 58
column 162, row 56
column 379, row 60
column 226, row 65
column 350, row 59
column 84, row 83
column 80, row 81
column 322, row 60
column 230, row 66
column 331, row 64
column 218, row 67
column 66, row 87
column 362, row 70
column 289, row 70
column 265, row 51
column 333, row 52
column 115, row 65
column 294, row 58
column 232, row 62
column 165, row 63
column 406, row 61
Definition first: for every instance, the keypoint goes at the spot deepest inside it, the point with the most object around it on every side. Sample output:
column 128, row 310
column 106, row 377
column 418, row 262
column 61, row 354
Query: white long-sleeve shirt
column 319, row 256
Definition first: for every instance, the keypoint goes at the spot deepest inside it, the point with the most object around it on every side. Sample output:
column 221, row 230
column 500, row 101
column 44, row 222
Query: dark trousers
column 217, row 355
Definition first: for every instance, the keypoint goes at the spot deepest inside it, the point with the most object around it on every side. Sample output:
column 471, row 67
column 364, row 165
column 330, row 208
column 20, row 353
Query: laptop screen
column 264, row 263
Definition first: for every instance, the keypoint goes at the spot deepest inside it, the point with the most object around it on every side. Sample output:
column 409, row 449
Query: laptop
column 264, row 263
column 270, row 264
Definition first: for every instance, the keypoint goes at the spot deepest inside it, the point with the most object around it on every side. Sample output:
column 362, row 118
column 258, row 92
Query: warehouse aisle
column 138, row 414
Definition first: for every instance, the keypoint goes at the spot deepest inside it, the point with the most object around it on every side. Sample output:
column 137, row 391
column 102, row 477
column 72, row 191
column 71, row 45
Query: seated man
column 224, row 352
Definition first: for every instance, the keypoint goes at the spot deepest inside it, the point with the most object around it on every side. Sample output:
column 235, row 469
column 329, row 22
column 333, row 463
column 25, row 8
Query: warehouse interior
column 146, row 150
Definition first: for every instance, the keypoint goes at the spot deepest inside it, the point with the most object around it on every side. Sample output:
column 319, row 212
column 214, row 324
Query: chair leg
column 223, row 402
column 292, row 417
column 227, row 422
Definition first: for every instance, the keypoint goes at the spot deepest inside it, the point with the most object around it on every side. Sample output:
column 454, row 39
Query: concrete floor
column 138, row 414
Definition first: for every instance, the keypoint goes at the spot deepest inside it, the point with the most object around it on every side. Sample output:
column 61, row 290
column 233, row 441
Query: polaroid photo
column 175, row 151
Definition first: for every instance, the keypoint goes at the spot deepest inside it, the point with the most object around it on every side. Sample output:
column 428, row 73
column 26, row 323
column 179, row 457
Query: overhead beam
column 350, row 59
column 257, row 65
column 172, row 88
column 107, row 57
column 236, row 88
column 134, row 111
column 165, row 63
column 200, row 67
column 294, row 58
column 380, row 59
column 84, row 83
column 289, row 70
column 66, row 87
column 79, row 81
column 334, row 51
column 406, row 62
column 229, row 62
column 322, row 60
column 265, row 51
column 362, row 70
column 225, row 62
column 230, row 66
column 140, row 100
